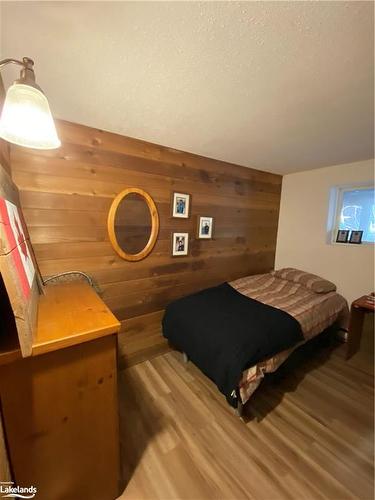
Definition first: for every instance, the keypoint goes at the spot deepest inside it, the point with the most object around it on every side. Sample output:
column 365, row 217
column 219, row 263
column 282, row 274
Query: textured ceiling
column 279, row 86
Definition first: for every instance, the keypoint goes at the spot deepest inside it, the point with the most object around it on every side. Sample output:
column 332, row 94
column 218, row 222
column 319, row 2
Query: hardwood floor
column 307, row 434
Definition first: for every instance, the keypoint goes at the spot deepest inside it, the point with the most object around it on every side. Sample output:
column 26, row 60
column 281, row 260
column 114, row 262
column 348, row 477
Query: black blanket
column 224, row 332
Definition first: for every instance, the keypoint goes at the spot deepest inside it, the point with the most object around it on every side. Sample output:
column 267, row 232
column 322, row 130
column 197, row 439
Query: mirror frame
column 154, row 225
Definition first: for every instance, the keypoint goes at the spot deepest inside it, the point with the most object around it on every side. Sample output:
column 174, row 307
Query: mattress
column 223, row 332
column 314, row 311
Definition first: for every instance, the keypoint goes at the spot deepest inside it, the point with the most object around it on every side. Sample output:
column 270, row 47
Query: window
column 356, row 211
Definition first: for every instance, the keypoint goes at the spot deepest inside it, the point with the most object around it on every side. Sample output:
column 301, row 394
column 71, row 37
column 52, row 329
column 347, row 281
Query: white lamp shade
column 26, row 119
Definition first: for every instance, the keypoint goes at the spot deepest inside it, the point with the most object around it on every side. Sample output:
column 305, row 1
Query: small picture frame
column 342, row 236
column 180, row 244
column 356, row 237
column 205, row 227
column 181, row 205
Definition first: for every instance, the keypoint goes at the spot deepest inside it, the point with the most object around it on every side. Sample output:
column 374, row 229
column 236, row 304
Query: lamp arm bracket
column 27, row 71
column 4, row 62
column 26, row 62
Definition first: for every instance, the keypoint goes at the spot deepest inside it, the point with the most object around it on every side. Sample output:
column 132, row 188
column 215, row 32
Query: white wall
column 302, row 234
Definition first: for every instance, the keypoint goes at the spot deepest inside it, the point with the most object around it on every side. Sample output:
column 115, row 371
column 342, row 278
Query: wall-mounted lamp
column 26, row 119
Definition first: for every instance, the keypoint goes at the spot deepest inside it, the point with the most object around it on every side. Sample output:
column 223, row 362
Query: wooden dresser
column 60, row 406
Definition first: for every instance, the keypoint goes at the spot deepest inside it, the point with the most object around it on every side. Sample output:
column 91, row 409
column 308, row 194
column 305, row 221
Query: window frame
column 339, row 195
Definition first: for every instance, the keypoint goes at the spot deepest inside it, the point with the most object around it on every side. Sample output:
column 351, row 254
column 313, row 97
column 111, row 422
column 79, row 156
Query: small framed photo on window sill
column 356, row 237
column 342, row 236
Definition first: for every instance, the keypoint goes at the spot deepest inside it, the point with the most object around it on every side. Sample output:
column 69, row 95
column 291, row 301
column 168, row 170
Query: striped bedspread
column 314, row 311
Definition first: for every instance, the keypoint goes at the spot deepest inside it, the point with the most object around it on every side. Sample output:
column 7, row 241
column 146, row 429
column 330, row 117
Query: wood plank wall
column 66, row 194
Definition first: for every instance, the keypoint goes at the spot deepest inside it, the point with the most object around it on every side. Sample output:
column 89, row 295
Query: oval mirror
column 133, row 224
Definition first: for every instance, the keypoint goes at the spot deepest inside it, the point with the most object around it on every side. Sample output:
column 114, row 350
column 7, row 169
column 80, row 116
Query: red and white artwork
column 17, row 244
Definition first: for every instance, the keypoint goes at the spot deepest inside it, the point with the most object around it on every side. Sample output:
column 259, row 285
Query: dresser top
column 69, row 314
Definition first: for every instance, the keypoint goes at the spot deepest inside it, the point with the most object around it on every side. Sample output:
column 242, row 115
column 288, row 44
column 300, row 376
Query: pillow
column 311, row 281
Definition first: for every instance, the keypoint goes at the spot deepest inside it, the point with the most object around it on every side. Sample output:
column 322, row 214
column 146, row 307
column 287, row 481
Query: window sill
column 364, row 243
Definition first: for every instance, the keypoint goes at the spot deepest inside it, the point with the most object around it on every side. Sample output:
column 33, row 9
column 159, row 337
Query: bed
column 241, row 330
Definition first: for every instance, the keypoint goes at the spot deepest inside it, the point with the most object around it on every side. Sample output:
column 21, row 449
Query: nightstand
column 359, row 308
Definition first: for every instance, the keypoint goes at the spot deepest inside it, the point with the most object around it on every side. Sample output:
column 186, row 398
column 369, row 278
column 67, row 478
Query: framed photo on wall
column 181, row 205
column 356, row 237
column 180, row 244
column 342, row 236
column 205, row 227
